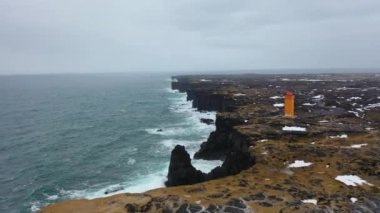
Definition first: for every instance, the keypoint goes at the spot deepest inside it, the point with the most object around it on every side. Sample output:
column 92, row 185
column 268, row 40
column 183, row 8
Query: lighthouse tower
column 289, row 105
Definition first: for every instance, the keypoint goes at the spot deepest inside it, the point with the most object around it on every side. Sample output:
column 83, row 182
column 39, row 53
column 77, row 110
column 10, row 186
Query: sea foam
column 173, row 134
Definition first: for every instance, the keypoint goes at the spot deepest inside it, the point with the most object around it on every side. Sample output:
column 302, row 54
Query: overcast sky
column 45, row 36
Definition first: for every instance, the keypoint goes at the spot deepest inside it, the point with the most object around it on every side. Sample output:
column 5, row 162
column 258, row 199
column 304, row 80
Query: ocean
column 72, row 136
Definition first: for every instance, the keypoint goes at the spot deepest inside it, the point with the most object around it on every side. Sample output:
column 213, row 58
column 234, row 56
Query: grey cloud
column 158, row 35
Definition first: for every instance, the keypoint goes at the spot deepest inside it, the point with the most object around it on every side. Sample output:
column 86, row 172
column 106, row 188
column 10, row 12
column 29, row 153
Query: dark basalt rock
column 131, row 207
column 237, row 203
column 233, row 210
column 221, row 141
column 182, row 208
column 207, row 121
column 212, row 208
column 180, row 169
column 265, row 204
column 113, row 189
column 259, row 196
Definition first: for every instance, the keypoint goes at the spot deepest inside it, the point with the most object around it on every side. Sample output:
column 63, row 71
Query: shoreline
column 271, row 184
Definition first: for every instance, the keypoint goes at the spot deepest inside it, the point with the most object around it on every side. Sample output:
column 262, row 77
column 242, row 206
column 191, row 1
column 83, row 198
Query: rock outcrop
column 221, row 141
column 181, row 171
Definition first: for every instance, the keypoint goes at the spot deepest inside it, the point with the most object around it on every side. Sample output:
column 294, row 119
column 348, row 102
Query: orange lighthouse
column 289, row 105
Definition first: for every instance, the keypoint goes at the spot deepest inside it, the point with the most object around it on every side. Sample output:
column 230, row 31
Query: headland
column 326, row 159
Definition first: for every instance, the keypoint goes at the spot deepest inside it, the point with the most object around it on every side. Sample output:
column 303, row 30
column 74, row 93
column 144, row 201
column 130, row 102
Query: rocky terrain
column 326, row 159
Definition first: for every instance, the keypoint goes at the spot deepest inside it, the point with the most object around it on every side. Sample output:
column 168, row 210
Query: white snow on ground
column 312, row 201
column 351, row 180
column 319, row 97
column 276, row 97
column 204, row 80
column 263, row 140
column 339, row 136
column 359, row 109
column 239, row 94
column 308, row 104
column 355, row 113
column 323, row 121
column 354, row 98
column 358, row 146
column 345, row 88
column 353, row 199
column 299, row 163
column 370, row 106
column 312, row 80
column 293, row 129
column 278, row 105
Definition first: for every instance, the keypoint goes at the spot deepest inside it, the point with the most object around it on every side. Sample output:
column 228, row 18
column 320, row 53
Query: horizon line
column 237, row 71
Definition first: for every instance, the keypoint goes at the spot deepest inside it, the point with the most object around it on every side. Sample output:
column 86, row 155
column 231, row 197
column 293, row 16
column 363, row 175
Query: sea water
column 82, row 136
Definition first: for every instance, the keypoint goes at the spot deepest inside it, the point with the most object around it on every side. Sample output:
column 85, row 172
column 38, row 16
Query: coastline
column 270, row 185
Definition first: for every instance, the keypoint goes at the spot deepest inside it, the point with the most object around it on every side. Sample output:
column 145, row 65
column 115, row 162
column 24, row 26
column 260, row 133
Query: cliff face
column 225, row 143
column 222, row 140
column 203, row 96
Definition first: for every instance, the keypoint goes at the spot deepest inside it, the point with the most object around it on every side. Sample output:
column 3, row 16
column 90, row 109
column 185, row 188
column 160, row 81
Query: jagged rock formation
column 180, row 169
column 221, row 141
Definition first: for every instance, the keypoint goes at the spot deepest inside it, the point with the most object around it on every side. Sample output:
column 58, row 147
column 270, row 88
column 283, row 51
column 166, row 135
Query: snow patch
column 308, row 104
column 345, row 88
column 355, row 113
column 351, row 180
column 311, row 80
column 204, row 80
column 354, row 98
column 239, row 94
column 339, row 136
column 299, row 163
column 293, row 129
column 278, row 105
column 371, row 106
column 276, row 97
column 353, row 199
column 358, row 146
column 312, row 201
column 319, row 97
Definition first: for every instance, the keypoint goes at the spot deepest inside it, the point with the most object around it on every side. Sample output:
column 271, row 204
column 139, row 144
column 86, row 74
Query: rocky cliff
column 225, row 143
